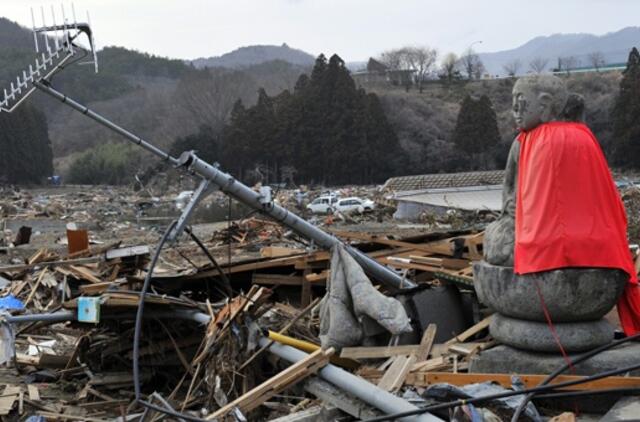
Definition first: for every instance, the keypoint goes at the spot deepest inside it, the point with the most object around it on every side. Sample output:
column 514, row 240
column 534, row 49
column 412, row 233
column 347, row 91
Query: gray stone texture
column 537, row 336
column 508, row 360
column 570, row 294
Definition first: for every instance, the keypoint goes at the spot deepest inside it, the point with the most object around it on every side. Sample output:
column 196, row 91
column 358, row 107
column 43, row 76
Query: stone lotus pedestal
column 576, row 299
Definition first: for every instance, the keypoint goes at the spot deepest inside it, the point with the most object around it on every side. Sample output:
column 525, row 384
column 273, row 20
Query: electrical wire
column 138, row 330
column 473, row 400
column 565, row 366
column 225, row 279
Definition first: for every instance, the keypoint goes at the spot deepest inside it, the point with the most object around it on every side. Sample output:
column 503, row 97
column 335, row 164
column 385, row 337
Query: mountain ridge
column 614, row 47
column 256, row 54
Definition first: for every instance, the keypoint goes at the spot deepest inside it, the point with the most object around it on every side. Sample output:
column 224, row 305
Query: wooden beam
column 276, row 279
column 377, row 352
column 467, row 334
column 426, row 343
column 263, row 392
column 423, row 379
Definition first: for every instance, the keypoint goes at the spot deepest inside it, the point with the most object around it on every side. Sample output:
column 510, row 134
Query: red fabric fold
column 568, row 210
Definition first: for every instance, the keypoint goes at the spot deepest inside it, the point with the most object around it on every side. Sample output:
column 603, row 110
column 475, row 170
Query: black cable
column 225, row 279
column 634, row 391
column 138, row 330
column 505, row 394
column 143, row 293
column 566, row 365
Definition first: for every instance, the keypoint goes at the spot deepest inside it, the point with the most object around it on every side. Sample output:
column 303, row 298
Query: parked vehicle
column 354, row 204
column 323, row 204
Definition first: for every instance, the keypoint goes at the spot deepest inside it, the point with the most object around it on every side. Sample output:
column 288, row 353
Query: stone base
column 537, row 336
column 570, row 294
column 508, row 360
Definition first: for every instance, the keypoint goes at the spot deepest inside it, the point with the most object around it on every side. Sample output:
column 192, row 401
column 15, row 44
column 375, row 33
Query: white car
column 323, row 204
column 354, row 204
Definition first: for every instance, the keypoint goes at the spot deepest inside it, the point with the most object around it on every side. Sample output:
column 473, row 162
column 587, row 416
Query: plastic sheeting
column 350, row 298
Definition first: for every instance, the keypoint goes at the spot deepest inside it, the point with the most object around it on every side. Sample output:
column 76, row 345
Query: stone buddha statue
column 536, row 100
column 560, row 241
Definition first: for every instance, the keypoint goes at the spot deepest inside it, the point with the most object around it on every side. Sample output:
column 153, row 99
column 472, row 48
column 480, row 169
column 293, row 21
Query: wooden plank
column 263, row 392
column 426, row 343
column 8, row 398
column 377, row 352
column 277, row 279
column 83, row 273
column 279, row 251
column 465, row 335
column 423, row 379
column 317, row 277
column 34, row 394
column 394, row 377
column 22, row 267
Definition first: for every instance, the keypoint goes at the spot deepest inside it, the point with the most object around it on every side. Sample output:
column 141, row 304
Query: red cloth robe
column 569, row 212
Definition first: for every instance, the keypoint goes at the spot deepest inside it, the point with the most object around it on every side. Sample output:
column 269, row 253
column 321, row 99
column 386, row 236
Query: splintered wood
column 293, row 374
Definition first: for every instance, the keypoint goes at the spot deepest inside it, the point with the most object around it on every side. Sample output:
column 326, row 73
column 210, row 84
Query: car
column 354, row 204
column 323, row 204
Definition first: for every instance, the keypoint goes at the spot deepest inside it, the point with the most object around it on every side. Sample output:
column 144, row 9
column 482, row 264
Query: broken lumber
column 293, row 374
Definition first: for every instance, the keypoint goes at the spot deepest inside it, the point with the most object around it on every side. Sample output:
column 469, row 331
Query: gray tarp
column 350, row 296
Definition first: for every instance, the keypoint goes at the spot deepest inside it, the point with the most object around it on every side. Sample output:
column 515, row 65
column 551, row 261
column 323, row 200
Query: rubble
column 211, row 353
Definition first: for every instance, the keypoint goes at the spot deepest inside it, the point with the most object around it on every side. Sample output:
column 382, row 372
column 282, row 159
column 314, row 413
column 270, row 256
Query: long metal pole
column 364, row 390
column 230, row 186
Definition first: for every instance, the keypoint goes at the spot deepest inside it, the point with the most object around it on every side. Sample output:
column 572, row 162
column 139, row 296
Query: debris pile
column 251, row 323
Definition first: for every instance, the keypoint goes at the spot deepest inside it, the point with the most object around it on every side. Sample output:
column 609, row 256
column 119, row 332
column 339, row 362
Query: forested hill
column 256, row 54
column 159, row 98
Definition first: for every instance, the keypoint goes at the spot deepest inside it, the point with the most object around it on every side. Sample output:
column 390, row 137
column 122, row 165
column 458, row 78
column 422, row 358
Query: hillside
column 158, row 98
column 256, row 54
column 425, row 122
column 614, row 47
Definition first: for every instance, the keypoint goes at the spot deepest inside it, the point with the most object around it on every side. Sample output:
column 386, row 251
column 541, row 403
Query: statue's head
column 538, row 99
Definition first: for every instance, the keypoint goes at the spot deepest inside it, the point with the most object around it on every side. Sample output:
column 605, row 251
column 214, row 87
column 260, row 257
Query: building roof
column 444, row 180
column 466, row 198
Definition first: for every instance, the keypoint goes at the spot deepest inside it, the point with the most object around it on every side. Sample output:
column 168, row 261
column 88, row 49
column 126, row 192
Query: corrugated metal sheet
column 444, row 180
column 468, row 198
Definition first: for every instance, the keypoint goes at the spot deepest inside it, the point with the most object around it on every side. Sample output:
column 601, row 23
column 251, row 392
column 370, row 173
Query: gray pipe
column 360, row 388
column 242, row 193
column 248, row 196
column 63, row 316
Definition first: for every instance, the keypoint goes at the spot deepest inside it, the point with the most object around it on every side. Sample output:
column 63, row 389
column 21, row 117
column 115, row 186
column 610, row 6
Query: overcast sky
column 355, row 29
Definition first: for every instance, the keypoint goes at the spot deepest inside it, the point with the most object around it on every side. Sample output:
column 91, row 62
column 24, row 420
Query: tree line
column 325, row 131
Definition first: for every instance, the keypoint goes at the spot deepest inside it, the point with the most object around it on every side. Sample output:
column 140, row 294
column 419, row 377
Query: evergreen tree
column 626, row 125
column 327, row 130
column 26, row 155
column 476, row 132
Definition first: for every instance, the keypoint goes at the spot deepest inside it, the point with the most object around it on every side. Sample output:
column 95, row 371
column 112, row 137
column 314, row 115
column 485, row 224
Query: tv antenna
column 55, row 44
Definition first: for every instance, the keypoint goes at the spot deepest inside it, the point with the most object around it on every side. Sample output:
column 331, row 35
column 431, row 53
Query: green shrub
column 107, row 164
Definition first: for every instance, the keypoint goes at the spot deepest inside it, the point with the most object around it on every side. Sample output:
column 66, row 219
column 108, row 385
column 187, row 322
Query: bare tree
column 567, row 63
column 421, row 60
column 538, row 64
column 393, row 59
column 449, row 67
column 471, row 64
column 597, row 60
column 512, row 67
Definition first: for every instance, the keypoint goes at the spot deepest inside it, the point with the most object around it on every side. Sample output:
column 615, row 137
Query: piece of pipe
column 63, row 316
column 309, row 347
column 357, row 386
column 248, row 196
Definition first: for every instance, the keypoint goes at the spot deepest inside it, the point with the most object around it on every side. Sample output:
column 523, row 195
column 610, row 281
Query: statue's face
column 528, row 108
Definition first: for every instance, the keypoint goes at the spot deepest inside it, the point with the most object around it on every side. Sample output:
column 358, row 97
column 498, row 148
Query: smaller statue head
column 538, row 99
